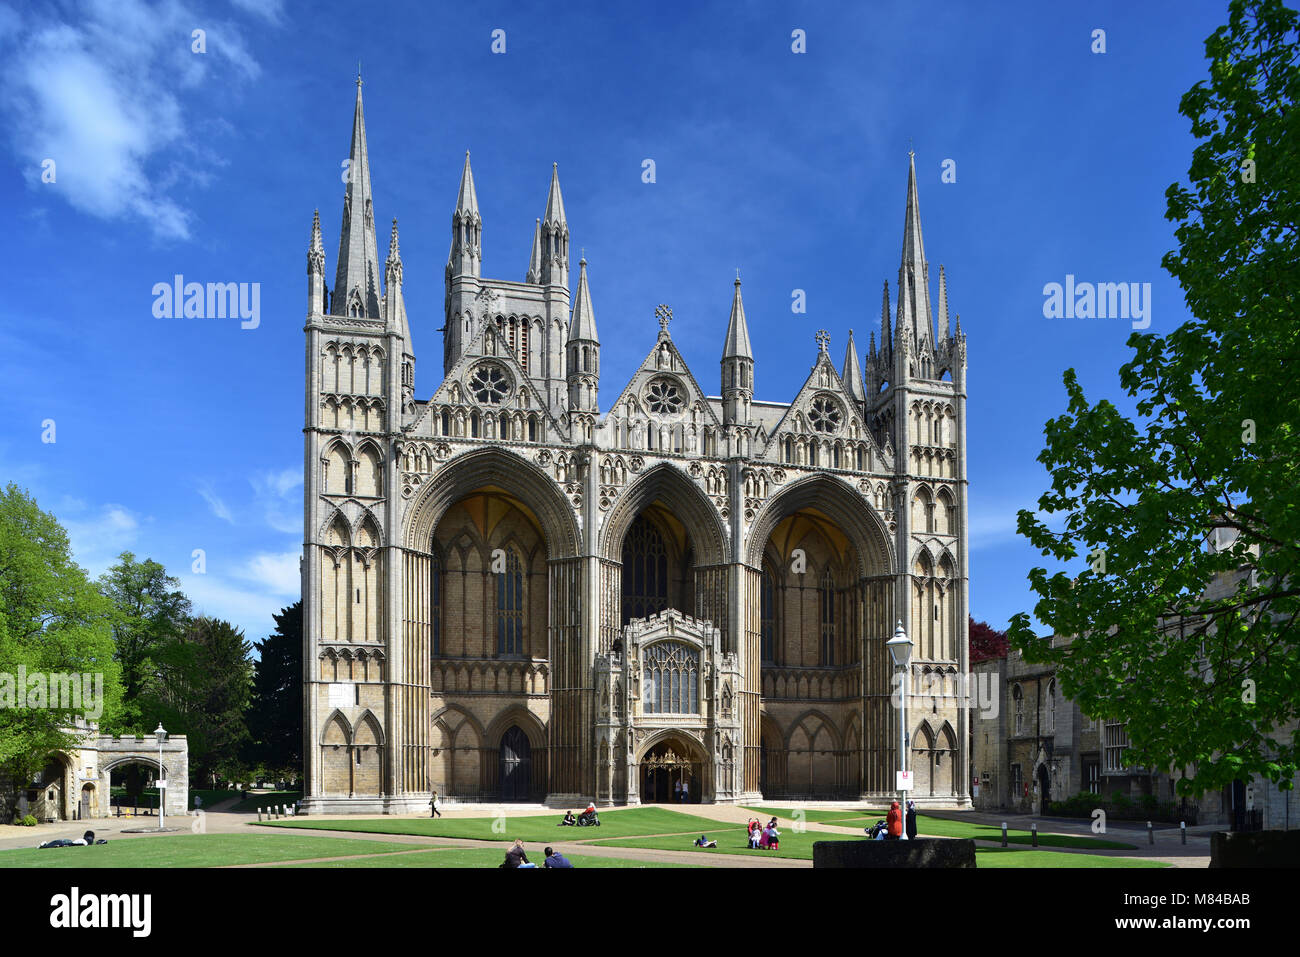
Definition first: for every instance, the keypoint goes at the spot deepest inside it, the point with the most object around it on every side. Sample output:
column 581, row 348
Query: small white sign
column 162, row 783
column 904, row 779
column 1250, row 797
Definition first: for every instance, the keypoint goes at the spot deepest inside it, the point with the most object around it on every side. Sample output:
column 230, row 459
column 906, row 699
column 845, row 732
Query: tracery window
column 670, row 681
column 510, row 607
column 1018, row 696
column 663, row 397
column 645, row 571
column 826, row 592
column 489, row 384
column 825, row 414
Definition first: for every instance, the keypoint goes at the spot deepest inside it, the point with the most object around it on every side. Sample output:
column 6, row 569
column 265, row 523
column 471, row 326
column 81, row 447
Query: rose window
column 824, row 415
column 664, row 397
column 489, row 385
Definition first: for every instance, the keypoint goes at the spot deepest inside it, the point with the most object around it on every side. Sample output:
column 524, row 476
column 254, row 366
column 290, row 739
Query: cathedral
column 515, row 592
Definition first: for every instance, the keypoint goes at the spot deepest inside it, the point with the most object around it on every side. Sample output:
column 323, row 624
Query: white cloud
column 276, row 493
column 105, row 97
column 97, row 538
column 219, row 508
column 278, row 572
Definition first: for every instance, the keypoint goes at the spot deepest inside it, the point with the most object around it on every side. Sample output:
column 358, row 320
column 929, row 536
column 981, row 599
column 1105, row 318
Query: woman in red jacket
column 894, row 820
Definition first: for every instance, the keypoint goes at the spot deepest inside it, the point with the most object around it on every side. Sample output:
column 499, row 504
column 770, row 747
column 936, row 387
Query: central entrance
column 666, row 770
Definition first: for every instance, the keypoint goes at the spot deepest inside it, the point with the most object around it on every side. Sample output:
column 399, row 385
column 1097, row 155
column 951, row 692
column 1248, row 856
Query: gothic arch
column 507, row 471
column 669, row 484
column 849, row 510
column 663, row 734
column 337, row 723
column 528, row 722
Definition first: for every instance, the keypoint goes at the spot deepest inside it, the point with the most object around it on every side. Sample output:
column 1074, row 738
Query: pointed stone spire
column 466, row 256
column 394, row 262
column 871, row 351
column 555, row 237
column 852, row 374
column 316, row 251
column 535, row 258
column 316, row 297
column 913, row 246
column 466, row 198
column 943, row 305
column 554, row 201
column 356, row 283
column 583, row 324
column 886, row 343
column 914, row 315
column 737, row 343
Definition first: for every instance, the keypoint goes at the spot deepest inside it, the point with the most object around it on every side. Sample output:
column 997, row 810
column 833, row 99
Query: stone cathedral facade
column 515, row 591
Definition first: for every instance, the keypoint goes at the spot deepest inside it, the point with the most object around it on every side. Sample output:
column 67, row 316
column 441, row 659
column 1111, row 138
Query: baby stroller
column 877, row 831
column 588, row 819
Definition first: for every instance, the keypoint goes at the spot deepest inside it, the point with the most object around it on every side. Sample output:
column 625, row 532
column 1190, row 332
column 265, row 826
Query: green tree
column 202, row 689
column 1196, row 647
column 52, row 621
column 151, row 612
column 275, row 714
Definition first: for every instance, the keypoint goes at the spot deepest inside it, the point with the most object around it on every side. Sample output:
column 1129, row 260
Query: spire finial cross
column 665, row 316
column 823, row 340
column 358, row 73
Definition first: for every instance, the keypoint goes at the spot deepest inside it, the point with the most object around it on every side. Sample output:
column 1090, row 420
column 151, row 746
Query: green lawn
column 733, row 840
column 1013, row 857
column 942, row 827
column 786, row 815
column 477, row 857
column 196, row 850
column 531, row 828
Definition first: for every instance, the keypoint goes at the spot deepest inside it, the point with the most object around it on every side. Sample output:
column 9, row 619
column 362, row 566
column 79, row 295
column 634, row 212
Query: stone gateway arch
column 510, row 594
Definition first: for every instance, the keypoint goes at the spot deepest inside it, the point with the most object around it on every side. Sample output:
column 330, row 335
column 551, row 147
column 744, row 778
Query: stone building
column 76, row 783
column 1039, row 746
column 513, row 593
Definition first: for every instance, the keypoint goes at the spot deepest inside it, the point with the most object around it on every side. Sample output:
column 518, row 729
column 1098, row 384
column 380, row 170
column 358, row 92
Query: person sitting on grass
column 569, row 820
column 515, row 857
column 556, row 859
column 705, row 842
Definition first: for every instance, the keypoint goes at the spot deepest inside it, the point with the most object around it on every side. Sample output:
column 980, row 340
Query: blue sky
column 182, row 434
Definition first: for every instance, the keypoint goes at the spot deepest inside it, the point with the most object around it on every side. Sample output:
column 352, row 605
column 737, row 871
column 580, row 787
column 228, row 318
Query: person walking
column 686, row 792
column 433, row 806
column 911, row 820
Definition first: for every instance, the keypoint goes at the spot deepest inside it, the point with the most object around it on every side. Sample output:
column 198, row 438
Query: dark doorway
column 663, row 769
column 1044, row 784
column 516, row 765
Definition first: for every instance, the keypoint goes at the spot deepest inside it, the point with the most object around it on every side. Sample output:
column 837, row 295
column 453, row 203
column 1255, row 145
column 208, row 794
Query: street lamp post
column 162, row 776
column 900, row 650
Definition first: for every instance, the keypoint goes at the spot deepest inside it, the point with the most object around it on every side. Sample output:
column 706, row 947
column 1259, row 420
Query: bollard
column 1034, row 827
column 259, row 814
column 1182, row 826
column 1151, row 834
column 1004, row 833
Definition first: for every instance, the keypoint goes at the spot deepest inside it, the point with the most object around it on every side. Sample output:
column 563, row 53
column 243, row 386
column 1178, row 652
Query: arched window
column 1018, row 696
column 670, row 681
column 767, row 616
column 826, row 592
column 435, row 602
column 510, row 607
column 473, row 425
column 504, row 434
column 1051, row 706
column 645, row 571
column 446, row 422
column 532, row 428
